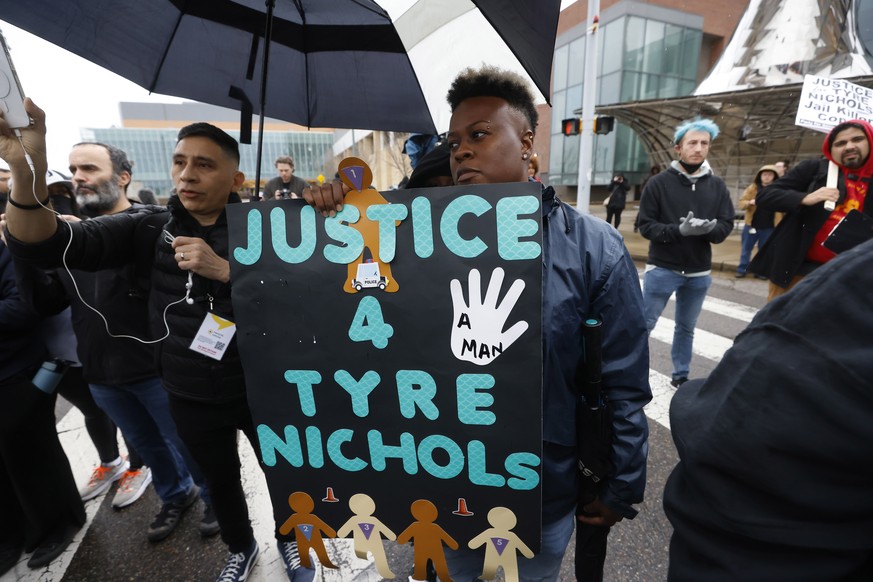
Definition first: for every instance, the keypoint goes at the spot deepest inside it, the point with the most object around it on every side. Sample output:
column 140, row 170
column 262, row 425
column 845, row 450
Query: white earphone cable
column 188, row 286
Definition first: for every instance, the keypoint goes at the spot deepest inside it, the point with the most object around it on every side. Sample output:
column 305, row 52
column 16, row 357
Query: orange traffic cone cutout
column 329, row 498
column 462, row 508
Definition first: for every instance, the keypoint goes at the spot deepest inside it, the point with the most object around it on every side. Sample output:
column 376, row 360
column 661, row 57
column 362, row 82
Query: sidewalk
column 725, row 256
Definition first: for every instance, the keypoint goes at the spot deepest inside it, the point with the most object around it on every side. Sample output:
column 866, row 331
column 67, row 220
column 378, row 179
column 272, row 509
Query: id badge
column 213, row 336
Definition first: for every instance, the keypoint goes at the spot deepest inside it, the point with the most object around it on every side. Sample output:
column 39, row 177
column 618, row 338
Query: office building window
column 640, row 58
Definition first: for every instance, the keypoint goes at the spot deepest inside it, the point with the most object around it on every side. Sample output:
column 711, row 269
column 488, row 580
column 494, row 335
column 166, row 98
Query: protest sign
column 393, row 359
column 825, row 103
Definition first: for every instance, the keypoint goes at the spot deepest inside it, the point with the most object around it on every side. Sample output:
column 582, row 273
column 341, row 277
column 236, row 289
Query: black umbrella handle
column 588, row 374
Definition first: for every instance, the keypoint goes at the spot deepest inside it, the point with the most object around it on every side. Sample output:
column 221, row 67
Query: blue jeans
column 748, row 241
column 658, row 285
column 141, row 411
column 465, row 565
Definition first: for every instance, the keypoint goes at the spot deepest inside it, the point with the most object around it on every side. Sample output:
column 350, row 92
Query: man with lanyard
column 184, row 249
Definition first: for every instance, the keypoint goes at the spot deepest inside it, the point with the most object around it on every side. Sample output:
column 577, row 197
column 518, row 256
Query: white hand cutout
column 477, row 327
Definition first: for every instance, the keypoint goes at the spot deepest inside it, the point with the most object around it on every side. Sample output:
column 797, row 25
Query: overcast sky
column 73, row 92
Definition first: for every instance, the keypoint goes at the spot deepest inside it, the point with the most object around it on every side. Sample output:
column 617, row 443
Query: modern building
column 754, row 91
column 148, row 135
column 651, row 49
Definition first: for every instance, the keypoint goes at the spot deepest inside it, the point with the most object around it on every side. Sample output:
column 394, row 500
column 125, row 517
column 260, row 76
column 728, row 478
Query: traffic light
column 571, row 126
column 603, row 124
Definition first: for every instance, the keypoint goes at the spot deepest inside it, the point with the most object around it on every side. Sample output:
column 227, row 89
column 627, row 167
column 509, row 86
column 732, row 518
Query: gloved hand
column 690, row 226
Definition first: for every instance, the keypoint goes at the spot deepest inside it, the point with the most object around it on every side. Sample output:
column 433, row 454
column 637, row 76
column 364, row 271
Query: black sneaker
column 209, row 524
column 239, row 565
column 739, row 275
column 291, row 557
column 676, row 382
column 168, row 517
column 53, row 547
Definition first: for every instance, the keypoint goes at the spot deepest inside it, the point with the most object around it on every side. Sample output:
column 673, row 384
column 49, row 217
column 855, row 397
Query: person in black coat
column 774, row 473
column 40, row 508
column 795, row 248
column 618, row 189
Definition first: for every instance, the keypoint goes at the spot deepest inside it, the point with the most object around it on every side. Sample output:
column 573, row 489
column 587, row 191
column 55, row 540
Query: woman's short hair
column 490, row 81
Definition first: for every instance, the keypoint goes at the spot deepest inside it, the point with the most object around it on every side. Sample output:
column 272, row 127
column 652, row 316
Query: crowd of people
column 741, row 471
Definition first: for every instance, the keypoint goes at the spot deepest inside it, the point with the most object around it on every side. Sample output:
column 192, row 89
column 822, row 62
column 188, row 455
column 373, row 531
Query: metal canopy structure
column 757, row 128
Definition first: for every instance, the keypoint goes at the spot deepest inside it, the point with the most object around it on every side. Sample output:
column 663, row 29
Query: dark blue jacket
column 587, row 271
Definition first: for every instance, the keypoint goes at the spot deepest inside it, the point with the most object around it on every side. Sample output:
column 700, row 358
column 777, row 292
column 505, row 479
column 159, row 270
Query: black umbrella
column 328, row 63
column 593, row 417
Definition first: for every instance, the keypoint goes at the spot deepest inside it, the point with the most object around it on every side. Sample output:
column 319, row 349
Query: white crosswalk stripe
column 706, row 345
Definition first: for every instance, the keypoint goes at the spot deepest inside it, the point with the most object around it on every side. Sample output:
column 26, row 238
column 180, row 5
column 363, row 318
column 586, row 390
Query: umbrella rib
column 164, row 54
column 299, row 5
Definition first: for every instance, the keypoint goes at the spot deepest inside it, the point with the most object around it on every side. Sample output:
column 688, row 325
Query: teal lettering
column 510, row 228
column 302, row 252
column 456, row 456
column 352, row 242
column 422, row 227
column 250, row 255
column 305, row 380
column 368, row 325
column 270, row 443
column 386, row 215
column 478, row 473
column 520, row 465
column 313, row 447
column 405, row 451
column 334, row 451
column 467, row 204
column 471, row 401
column 358, row 390
column 416, row 389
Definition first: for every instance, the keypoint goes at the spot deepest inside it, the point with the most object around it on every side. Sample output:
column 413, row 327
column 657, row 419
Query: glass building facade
column 649, row 56
column 152, row 150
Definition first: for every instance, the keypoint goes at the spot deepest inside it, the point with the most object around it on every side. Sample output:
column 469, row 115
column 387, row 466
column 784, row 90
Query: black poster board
column 362, row 391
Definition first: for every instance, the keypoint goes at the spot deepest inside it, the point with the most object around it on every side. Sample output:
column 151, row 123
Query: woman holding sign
column 587, row 272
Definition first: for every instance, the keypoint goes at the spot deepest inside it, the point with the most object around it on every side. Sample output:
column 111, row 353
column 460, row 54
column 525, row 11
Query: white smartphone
column 11, row 95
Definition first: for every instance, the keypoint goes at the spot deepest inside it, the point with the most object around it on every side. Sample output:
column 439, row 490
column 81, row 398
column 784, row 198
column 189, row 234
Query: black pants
column 616, row 212
column 210, row 432
column 38, row 495
column 590, row 552
column 100, row 427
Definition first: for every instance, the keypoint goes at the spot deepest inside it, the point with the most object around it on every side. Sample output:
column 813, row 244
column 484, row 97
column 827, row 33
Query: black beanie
column 435, row 163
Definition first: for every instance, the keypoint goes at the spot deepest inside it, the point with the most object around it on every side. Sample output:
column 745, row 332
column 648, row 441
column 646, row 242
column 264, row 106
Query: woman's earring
column 524, row 156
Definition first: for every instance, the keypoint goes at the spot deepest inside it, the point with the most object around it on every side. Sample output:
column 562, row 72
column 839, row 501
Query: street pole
column 589, row 95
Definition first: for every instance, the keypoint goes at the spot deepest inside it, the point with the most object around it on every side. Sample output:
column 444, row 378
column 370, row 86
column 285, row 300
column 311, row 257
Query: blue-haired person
column 686, row 209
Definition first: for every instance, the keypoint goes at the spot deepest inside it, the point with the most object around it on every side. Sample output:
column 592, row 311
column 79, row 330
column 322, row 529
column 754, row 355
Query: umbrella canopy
column 332, row 63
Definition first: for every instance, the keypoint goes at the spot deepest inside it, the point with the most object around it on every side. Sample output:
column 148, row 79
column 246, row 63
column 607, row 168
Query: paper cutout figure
column 328, row 497
column 429, row 539
column 367, row 532
column 462, row 508
column 477, row 327
column 307, row 529
column 501, row 545
column 356, row 174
